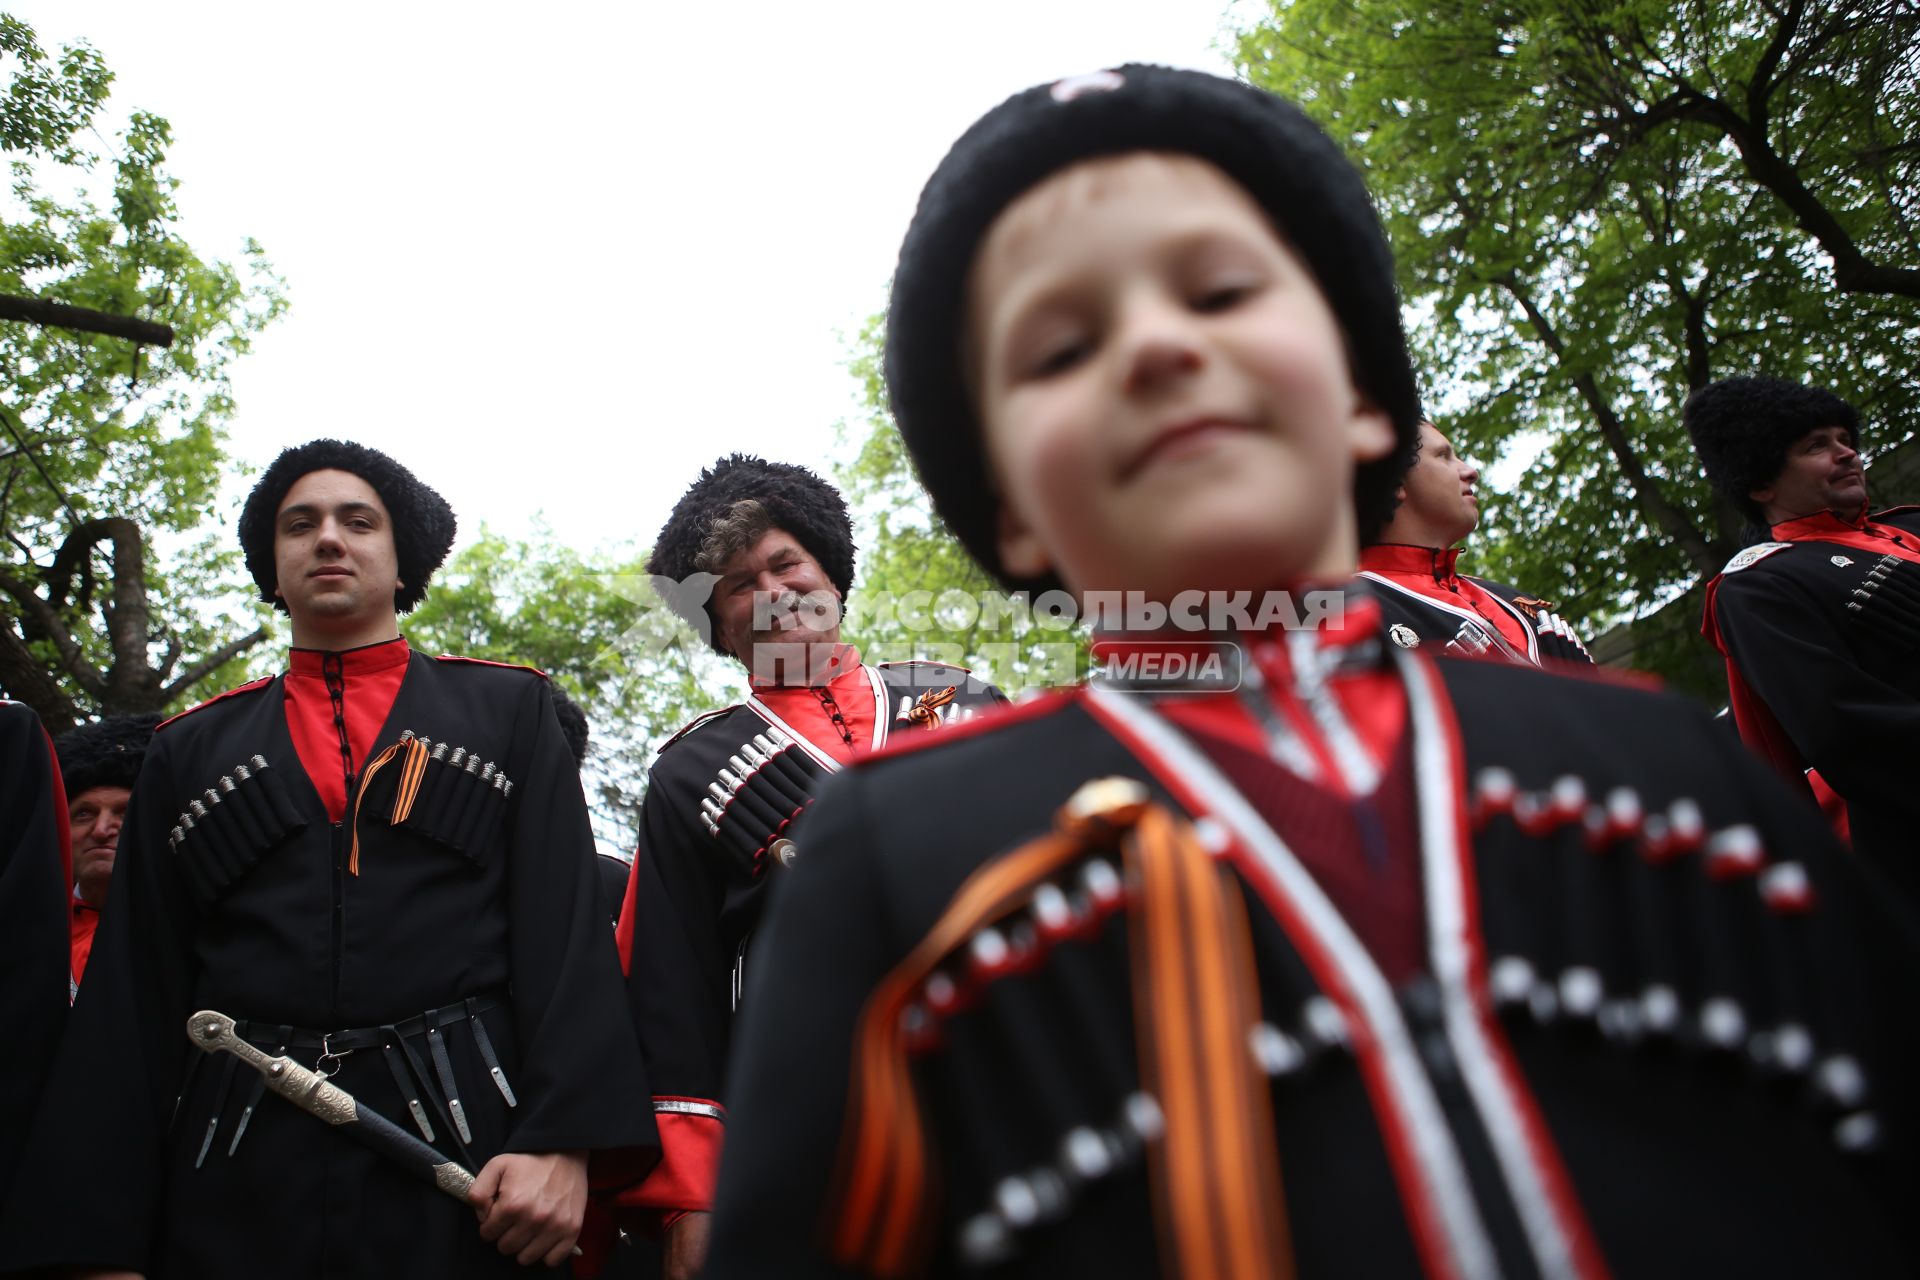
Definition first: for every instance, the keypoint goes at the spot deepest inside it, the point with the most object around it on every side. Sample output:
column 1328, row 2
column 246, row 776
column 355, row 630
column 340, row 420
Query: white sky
column 558, row 257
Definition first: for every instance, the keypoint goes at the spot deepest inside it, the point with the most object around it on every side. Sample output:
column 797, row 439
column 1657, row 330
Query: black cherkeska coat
column 1822, row 641
column 252, row 910
column 1659, row 1027
column 714, row 832
column 33, row 923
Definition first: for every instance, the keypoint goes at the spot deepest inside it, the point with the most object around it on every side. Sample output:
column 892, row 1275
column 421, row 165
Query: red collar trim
column 1819, row 524
column 1863, row 534
column 845, row 661
column 1400, row 558
column 1360, row 621
column 360, row 661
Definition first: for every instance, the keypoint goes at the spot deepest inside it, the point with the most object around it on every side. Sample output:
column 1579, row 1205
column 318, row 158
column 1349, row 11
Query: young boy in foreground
column 1349, row 970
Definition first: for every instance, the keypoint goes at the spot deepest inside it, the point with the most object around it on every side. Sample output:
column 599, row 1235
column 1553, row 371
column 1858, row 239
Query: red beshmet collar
column 1862, row 534
column 360, row 661
column 1399, row 558
column 845, row 659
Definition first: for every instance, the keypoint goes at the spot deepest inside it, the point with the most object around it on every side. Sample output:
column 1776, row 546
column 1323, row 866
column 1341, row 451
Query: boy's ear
column 1370, row 432
column 1021, row 553
column 1762, row 495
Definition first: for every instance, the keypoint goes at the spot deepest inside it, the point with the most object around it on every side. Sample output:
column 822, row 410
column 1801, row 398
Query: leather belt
column 278, row 1038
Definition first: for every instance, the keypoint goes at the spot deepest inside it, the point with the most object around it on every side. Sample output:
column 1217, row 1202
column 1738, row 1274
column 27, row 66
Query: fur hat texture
column 1309, row 189
column 573, row 724
column 423, row 523
column 106, row 753
column 795, row 499
column 1743, row 427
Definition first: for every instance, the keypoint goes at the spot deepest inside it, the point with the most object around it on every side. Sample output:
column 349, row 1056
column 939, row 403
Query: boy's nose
column 1156, row 359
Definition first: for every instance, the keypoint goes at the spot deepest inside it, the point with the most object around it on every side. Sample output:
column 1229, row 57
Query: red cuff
column 691, row 1132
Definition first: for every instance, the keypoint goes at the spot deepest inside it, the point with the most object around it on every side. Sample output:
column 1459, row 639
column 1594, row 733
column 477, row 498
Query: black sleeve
column 96, row 1142
column 823, row 948
column 33, row 923
column 1856, row 729
column 584, row 1077
column 1863, row 941
column 678, row 984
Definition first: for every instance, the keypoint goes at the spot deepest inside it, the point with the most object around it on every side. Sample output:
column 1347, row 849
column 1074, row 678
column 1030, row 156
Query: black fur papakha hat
column 573, row 725
column 1307, row 186
column 106, row 753
column 423, row 523
column 1743, row 427
column 794, row 498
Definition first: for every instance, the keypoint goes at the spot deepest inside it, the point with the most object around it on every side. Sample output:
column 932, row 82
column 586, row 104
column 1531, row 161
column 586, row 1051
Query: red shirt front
column 836, row 715
column 82, row 922
column 336, row 705
column 1429, row 571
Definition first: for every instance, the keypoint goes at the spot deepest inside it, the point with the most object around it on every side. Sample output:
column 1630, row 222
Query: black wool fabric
column 106, row 753
column 33, row 926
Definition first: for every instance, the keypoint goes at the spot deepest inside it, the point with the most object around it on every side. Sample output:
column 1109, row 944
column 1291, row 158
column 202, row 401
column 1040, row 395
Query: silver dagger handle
column 306, row 1089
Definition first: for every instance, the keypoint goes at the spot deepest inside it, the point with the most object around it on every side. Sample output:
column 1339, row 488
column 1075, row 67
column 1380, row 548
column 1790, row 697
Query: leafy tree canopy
column 1598, row 206
column 108, row 449
column 595, row 625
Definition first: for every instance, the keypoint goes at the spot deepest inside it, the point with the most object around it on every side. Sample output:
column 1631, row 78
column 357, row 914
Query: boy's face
column 1165, row 391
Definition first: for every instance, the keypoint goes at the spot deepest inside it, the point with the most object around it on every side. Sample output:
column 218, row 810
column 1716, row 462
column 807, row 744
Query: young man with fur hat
column 1818, row 619
column 379, row 863
column 1346, row 970
column 99, row 763
column 1411, row 561
column 775, row 542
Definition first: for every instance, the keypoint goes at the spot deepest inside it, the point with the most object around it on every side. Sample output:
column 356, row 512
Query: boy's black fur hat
column 1743, row 427
column 423, row 523
column 1310, row 190
column 796, row 500
column 106, row 753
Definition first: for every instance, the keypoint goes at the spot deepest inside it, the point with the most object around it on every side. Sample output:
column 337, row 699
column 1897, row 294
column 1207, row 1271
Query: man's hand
column 530, row 1206
column 686, row 1246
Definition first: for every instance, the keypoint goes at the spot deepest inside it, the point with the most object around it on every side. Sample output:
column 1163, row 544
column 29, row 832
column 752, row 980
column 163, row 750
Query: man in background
column 99, row 762
column 1412, row 562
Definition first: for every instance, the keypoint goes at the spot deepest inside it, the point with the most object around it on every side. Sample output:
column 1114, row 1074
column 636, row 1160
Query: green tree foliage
column 1599, row 205
column 107, row 448
column 918, row 594
column 593, row 623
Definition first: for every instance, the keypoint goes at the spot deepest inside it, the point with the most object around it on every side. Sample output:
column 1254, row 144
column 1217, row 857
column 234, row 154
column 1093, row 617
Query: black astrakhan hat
column 1307, row 186
column 106, row 753
column 1743, row 427
column 423, row 523
column 795, row 499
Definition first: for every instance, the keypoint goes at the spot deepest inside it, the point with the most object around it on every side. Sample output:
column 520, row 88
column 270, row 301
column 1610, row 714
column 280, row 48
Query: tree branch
column 1853, row 271
column 26, row 679
column 1664, row 515
column 39, row 619
column 212, row 662
column 60, row 315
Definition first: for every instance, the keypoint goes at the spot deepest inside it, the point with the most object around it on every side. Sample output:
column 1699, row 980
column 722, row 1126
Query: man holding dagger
column 379, row 864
